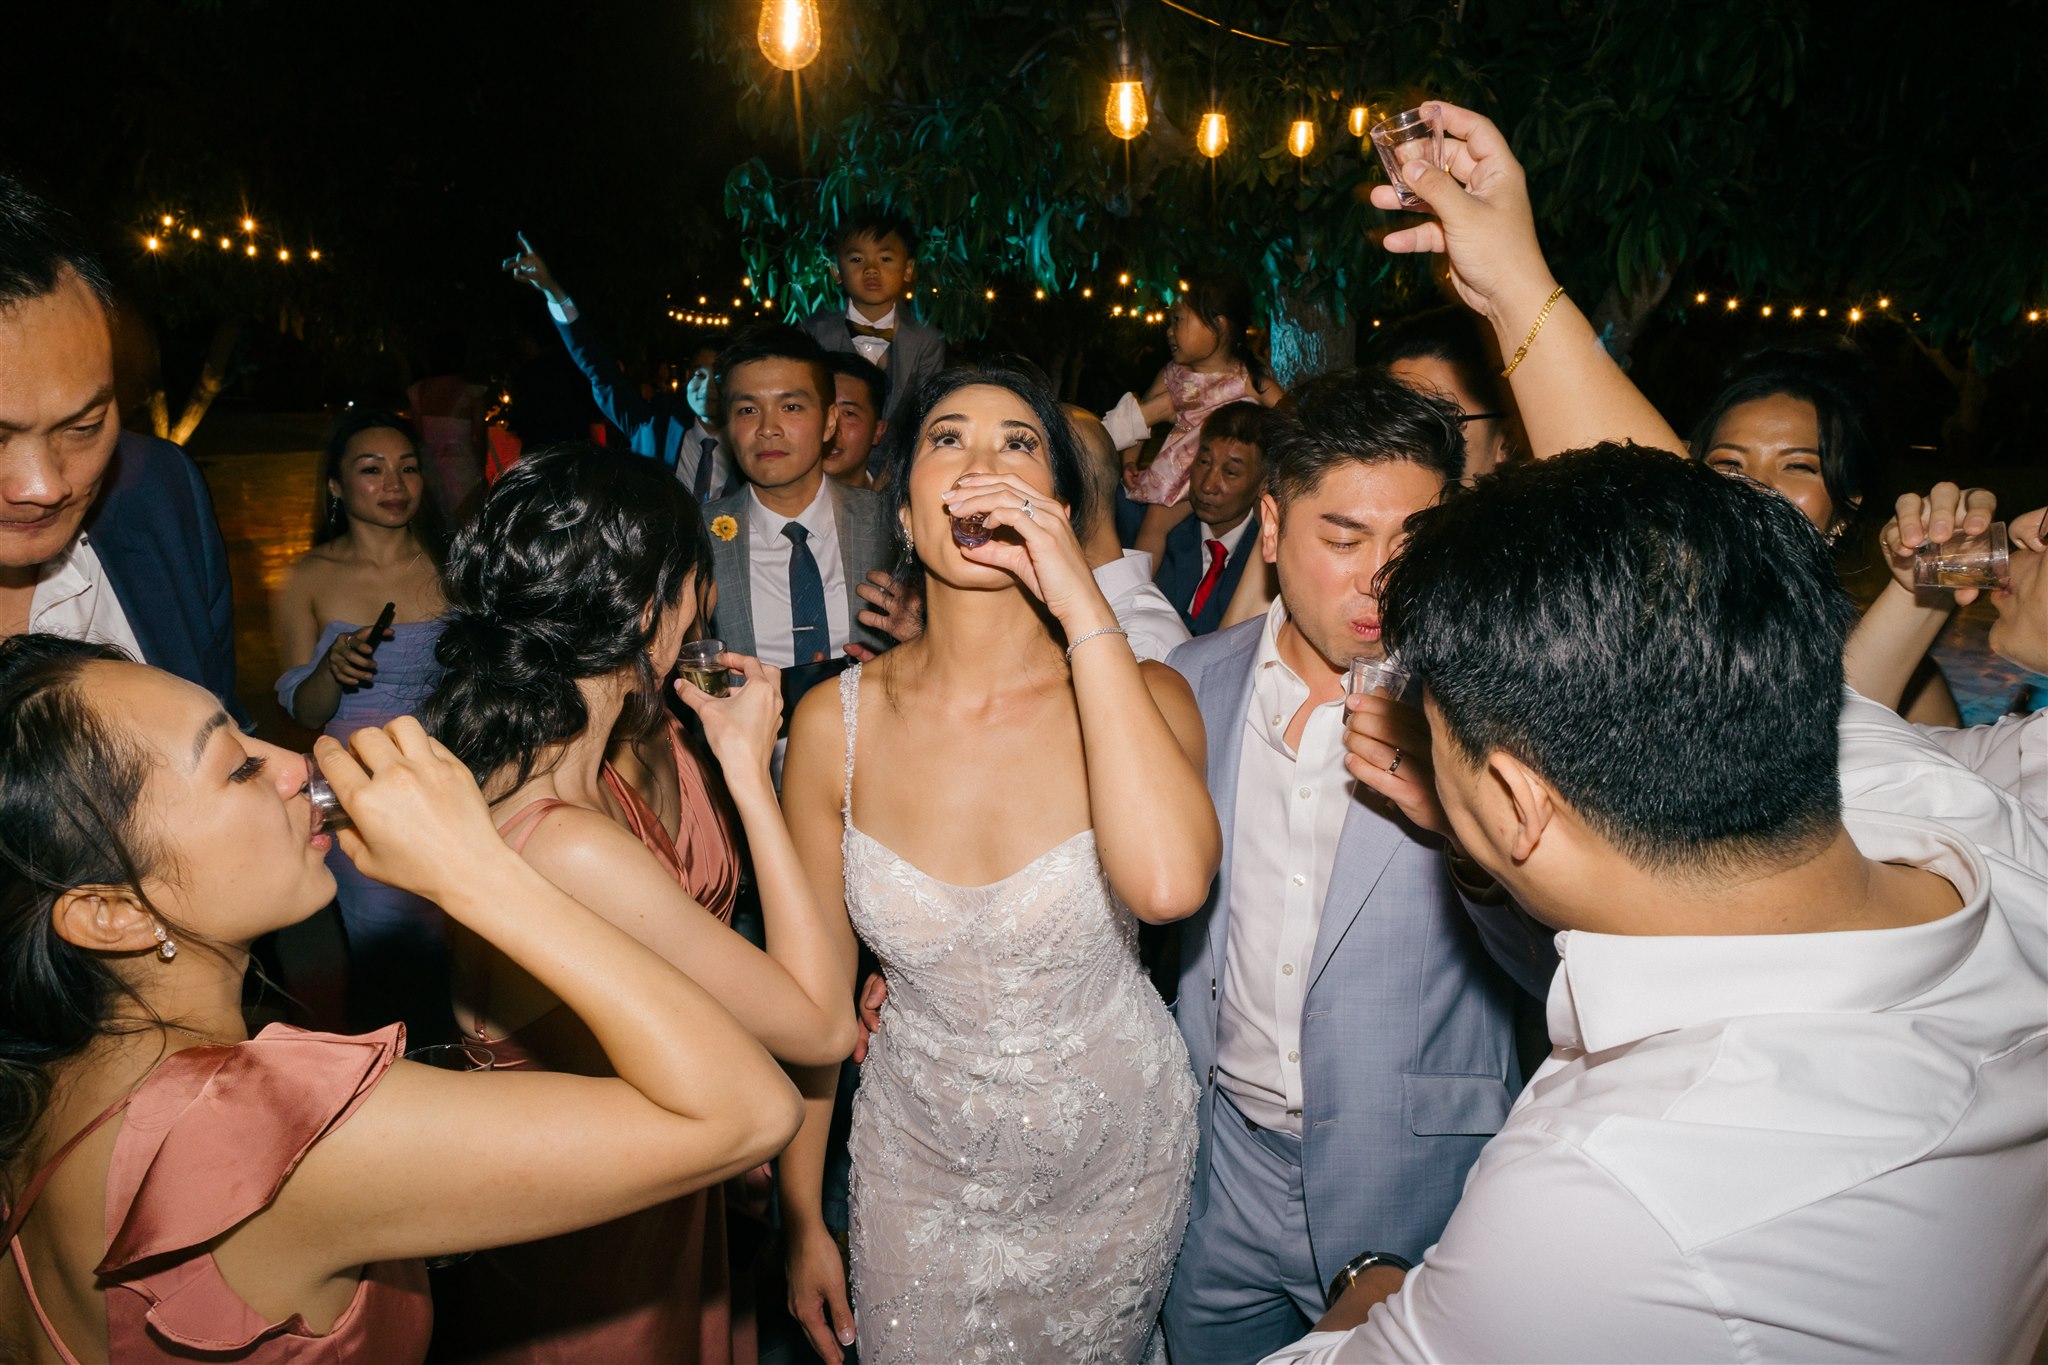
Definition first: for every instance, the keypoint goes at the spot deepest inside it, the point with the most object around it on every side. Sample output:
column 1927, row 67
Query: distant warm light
column 283, row 255
column 1038, row 294
column 1798, row 312
column 1301, row 137
column 165, row 220
column 1124, row 278
column 1375, row 322
column 1117, row 311
column 1700, row 297
column 248, row 225
column 1855, row 315
column 1823, row 312
column 1213, row 135
column 1767, row 310
column 702, row 300
column 989, row 294
column 314, row 254
column 2034, row 315
column 736, row 303
column 1183, row 286
column 1884, row 303
column 1087, row 293
column 249, row 250
column 195, row 234
column 1125, row 112
column 789, row 34
column 151, row 244
column 1734, row 304
column 225, row 244
column 770, row 303
column 1358, row 120
column 746, row 281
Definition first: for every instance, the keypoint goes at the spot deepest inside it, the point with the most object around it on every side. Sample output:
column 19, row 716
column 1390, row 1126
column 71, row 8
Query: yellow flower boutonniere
column 725, row 528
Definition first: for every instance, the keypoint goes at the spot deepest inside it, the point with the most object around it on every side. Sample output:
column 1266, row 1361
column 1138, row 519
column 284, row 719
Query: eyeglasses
column 1479, row 416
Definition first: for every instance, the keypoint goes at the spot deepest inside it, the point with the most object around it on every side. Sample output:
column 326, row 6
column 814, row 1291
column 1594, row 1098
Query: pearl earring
column 165, row 949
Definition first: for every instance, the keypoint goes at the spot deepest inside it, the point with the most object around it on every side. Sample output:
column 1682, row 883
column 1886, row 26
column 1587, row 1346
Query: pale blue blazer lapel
column 1227, row 695
column 1366, row 845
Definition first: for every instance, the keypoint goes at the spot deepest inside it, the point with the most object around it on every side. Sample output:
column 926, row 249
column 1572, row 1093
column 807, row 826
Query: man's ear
column 910, row 271
column 1531, row 805
column 1269, row 528
column 881, row 429
column 104, row 919
column 831, row 422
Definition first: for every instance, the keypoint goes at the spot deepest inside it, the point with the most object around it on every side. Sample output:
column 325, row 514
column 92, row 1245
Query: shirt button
column 1276, row 718
column 1305, row 793
column 1294, row 1056
column 1287, row 969
column 1300, row 880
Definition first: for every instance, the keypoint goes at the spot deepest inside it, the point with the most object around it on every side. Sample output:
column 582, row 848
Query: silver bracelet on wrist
column 1105, row 630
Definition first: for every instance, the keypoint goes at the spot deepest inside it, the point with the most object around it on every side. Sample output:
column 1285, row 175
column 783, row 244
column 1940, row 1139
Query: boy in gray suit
column 876, row 253
column 1342, row 995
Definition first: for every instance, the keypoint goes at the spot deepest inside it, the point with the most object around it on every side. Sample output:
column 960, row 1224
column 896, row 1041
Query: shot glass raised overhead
column 1965, row 562
column 1406, row 138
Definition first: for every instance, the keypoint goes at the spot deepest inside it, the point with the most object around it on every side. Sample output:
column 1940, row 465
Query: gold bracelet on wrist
column 1530, row 340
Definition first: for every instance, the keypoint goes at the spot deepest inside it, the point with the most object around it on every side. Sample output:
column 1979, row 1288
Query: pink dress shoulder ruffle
column 208, row 1141
column 1194, row 397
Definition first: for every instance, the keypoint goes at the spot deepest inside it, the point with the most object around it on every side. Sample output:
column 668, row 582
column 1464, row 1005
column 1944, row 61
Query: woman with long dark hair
column 175, row 1190
column 570, row 596
column 377, row 539
column 997, row 804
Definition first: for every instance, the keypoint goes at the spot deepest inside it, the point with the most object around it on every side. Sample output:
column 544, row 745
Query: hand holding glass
column 698, row 662
column 1407, row 138
column 1376, row 677
column 1965, row 562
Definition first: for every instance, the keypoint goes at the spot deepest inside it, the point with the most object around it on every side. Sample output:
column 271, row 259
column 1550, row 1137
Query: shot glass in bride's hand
column 1409, row 137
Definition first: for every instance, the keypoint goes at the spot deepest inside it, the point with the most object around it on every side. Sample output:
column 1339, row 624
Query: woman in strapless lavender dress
column 376, row 539
column 570, row 595
column 174, row 1190
column 998, row 803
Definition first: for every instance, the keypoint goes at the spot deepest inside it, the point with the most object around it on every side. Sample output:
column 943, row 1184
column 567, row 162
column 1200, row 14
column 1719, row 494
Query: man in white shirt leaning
column 1795, row 1107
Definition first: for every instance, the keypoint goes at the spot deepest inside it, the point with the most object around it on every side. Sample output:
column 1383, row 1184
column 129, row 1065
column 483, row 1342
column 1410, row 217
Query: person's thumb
column 842, row 1318
column 1438, row 189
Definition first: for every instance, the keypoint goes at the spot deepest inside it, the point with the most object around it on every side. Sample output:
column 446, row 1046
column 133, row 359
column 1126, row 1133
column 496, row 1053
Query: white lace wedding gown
column 1024, row 1133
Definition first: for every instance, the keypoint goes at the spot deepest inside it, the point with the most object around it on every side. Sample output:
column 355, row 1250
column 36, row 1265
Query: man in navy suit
column 105, row 535
column 685, row 436
column 877, row 261
column 1348, row 994
column 1206, row 553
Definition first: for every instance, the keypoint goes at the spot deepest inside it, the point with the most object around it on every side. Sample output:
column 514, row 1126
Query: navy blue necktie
column 812, row 628
column 700, row 486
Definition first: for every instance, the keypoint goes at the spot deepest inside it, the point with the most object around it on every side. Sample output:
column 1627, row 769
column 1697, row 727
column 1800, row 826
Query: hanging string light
column 1212, row 135
column 1301, row 137
column 789, row 33
column 1358, row 120
column 1125, row 111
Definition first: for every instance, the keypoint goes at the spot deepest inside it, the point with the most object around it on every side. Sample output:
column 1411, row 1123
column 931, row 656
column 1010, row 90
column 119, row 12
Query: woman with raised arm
column 570, row 594
column 377, row 540
column 176, row 1190
column 999, row 803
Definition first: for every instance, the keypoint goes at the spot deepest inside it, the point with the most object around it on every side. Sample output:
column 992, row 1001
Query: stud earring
column 165, row 949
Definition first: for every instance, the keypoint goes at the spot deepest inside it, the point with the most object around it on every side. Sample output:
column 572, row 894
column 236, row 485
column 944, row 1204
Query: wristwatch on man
column 1357, row 1266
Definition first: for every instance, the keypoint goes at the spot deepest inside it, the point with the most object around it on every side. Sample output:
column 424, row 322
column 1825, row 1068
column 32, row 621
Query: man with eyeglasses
column 1444, row 353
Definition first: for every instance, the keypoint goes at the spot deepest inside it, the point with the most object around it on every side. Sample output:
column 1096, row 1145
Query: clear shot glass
column 1965, row 562
column 1404, row 139
column 699, row 663
column 327, row 811
column 1376, row 678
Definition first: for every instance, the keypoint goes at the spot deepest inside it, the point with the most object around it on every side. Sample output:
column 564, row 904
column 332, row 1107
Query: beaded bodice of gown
column 1024, row 1133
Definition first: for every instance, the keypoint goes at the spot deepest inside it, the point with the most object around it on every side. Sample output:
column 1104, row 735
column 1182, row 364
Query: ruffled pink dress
column 209, row 1139
column 1194, row 397
column 655, row 1286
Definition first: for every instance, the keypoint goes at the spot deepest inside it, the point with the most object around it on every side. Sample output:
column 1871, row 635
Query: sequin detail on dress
column 1024, row 1133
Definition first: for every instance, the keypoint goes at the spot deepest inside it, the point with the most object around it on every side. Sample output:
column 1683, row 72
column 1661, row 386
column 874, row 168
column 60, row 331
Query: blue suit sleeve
column 621, row 403
column 218, row 649
column 1524, row 947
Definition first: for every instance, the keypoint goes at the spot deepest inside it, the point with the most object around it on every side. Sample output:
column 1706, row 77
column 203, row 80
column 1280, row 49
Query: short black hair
column 38, row 243
column 1245, row 420
column 1835, row 378
column 1360, row 416
column 775, row 341
column 859, row 367
column 878, row 222
column 1662, row 643
column 1450, row 335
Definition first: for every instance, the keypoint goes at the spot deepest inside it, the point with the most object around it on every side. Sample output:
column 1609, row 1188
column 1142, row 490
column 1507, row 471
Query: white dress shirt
column 768, row 575
column 1790, row 1147
column 73, row 598
column 874, row 350
column 1156, row 629
column 722, row 476
column 1290, row 814
column 2011, row 753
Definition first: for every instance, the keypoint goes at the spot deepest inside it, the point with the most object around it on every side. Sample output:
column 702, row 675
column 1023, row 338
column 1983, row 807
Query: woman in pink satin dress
column 177, row 1191
column 570, row 595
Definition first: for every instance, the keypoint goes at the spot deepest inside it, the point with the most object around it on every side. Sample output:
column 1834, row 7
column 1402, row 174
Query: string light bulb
column 1855, row 315
column 989, row 294
column 1700, row 297
column 151, row 244
column 195, row 234
column 248, row 225
column 1798, row 312
column 2034, row 315
column 1124, row 278
column 165, row 220
column 789, row 33
column 1358, row 120
column 1212, row 136
column 225, row 244
column 1301, row 137
column 1734, row 304
column 314, row 254
column 1823, row 312
column 1124, row 112
column 1087, row 293
column 283, row 256
column 1767, row 310
column 1884, row 303
column 1038, row 294
column 249, row 250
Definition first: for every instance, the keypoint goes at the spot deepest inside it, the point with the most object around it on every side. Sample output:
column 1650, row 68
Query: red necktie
column 1217, row 554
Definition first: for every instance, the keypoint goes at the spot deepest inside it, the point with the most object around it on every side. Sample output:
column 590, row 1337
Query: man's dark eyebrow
column 98, row 400
column 1348, row 523
column 217, row 721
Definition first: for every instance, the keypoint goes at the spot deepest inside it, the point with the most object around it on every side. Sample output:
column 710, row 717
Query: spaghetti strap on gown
column 1024, row 1133
column 207, row 1142
column 652, row 1288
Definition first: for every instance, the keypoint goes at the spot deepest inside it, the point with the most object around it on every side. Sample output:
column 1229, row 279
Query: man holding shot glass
column 1342, row 994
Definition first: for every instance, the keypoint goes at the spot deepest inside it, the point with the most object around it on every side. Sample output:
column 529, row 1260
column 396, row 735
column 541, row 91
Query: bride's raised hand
column 741, row 726
column 1048, row 561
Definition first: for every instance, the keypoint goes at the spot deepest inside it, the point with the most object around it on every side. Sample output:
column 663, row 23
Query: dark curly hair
column 563, row 574
column 69, row 786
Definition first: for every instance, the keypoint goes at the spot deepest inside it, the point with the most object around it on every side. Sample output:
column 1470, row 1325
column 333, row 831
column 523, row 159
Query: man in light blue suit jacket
column 1348, row 994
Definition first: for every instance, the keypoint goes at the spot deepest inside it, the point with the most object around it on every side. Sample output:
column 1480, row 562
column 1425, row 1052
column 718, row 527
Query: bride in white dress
column 998, row 815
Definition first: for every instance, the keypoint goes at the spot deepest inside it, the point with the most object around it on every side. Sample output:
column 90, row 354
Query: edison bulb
column 1213, row 135
column 1125, row 113
column 1301, row 137
column 1358, row 120
column 789, row 33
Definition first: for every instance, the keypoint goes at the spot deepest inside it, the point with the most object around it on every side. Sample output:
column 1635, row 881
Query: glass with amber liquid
column 699, row 663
